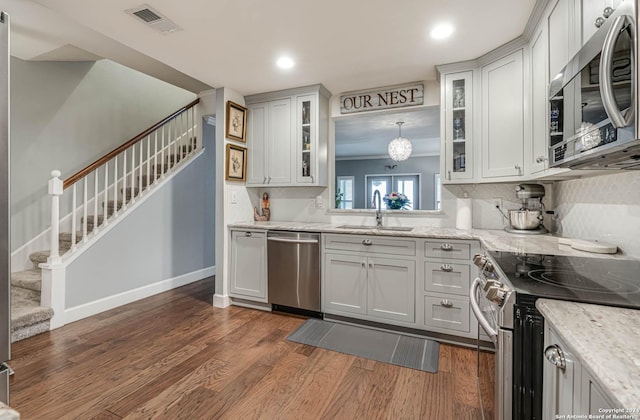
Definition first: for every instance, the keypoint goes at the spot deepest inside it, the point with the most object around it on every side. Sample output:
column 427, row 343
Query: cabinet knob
column 367, row 242
column 599, row 21
column 370, row 266
column 446, row 247
column 555, row 355
column 248, row 234
column 541, row 159
column 446, row 267
column 518, row 168
column 364, row 265
column 446, row 303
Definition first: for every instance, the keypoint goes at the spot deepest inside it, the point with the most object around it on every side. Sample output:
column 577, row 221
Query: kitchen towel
column 463, row 213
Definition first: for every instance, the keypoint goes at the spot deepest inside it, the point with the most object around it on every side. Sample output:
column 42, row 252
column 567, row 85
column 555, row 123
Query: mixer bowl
column 525, row 219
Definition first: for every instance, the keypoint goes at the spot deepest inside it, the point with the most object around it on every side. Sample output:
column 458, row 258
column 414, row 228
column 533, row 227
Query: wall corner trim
column 221, row 301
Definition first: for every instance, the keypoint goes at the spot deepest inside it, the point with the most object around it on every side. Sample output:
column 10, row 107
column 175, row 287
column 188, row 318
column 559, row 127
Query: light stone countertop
column 495, row 240
column 7, row 413
column 606, row 339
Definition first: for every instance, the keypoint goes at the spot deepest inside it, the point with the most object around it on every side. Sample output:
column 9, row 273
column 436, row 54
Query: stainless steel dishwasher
column 294, row 270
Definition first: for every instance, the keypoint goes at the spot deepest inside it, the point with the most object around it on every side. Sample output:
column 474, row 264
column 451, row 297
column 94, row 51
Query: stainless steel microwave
column 593, row 100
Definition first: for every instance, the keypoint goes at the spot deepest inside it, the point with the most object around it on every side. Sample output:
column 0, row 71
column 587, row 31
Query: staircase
column 28, row 315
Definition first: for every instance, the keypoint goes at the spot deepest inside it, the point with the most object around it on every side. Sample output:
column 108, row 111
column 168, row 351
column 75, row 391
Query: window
column 344, row 192
column 408, row 185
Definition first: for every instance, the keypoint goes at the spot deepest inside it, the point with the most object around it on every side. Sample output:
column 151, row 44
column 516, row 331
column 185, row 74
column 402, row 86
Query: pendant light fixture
column 400, row 148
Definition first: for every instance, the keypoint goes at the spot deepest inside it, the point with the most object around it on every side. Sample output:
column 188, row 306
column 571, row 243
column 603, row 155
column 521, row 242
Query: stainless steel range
column 503, row 299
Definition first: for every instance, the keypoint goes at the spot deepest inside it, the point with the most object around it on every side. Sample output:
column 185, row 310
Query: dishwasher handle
column 293, row 241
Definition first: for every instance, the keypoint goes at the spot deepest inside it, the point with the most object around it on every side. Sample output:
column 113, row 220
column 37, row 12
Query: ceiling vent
column 154, row 19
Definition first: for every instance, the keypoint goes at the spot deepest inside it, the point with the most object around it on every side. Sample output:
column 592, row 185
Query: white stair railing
column 118, row 179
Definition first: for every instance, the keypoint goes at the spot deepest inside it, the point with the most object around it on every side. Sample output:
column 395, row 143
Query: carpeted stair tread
column 39, row 257
column 28, row 279
column 65, row 238
column 26, row 309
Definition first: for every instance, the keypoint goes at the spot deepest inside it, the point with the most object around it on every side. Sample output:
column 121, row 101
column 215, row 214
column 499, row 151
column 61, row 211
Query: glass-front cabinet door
column 458, row 126
column 306, row 139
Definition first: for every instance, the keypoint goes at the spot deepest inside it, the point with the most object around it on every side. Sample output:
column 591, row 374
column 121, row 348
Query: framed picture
column 236, row 121
column 236, row 163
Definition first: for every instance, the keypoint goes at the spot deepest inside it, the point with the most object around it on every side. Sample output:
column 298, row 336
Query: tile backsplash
column 605, row 208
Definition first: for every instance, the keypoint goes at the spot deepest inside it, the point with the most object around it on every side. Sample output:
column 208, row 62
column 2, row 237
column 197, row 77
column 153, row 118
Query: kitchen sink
column 367, row 227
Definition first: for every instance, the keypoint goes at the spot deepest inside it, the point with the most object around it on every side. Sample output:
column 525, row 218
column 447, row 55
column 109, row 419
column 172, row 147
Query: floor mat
column 382, row 346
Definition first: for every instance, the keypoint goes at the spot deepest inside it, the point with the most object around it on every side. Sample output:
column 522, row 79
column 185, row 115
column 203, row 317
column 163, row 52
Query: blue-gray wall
column 170, row 234
column 428, row 166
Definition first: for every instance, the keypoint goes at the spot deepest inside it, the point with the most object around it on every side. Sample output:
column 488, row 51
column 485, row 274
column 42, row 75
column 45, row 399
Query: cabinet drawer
column 446, row 312
column 447, row 249
column 370, row 244
column 447, row 278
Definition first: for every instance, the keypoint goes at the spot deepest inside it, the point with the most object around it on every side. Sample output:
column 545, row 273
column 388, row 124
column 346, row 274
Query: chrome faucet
column 378, row 205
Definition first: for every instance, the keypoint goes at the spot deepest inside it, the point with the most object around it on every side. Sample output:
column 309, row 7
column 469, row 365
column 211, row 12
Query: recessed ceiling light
column 441, row 31
column 285, row 63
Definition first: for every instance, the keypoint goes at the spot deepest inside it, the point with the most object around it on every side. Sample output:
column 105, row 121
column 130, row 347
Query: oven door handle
column 493, row 334
column 618, row 118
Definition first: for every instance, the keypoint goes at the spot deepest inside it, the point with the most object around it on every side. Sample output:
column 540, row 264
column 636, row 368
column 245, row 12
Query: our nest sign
column 384, row 98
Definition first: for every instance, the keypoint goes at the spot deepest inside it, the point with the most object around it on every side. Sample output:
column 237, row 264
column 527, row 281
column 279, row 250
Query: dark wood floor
column 174, row 356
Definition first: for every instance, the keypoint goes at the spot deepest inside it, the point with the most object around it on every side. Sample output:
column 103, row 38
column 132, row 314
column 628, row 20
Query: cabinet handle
column 446, row 267
column 446, row 247
column 555, row 355
column 541, row 159
column 370, row 266
column 449, row 175
column 312, row 181
column 248, row 234
column 264, row 181
column 367, row 242
column 269, row 181
column 364, row 265
column 446, row 303
column 519, row 169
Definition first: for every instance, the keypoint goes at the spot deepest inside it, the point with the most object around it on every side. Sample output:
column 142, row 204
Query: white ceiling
column 368, row 135
column 344, row 44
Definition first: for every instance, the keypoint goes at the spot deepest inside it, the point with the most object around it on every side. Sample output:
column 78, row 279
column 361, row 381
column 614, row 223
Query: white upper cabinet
column 287, row 137
column 591, row 11
column 457, row 100
column 269, row 142
column 559, row 37
column 503, row 117
column 539, row 146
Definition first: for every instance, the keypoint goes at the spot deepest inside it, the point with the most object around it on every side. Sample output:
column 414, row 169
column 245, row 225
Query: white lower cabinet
column 376, row 287
column 345, row 285
column 248, row 268
column 447, row 313
column 567, row 387
column 391, row 289
column 422, row 284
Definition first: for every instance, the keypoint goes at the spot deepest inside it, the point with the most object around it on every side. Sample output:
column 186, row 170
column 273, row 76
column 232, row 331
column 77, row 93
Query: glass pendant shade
column 400, row 148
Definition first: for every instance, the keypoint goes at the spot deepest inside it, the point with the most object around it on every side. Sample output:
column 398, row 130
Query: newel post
column 55, row 191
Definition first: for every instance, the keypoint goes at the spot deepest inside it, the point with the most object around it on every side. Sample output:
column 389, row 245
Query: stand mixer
column 528, row 219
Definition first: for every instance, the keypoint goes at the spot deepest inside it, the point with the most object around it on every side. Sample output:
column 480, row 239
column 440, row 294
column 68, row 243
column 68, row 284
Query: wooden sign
column 385, row 98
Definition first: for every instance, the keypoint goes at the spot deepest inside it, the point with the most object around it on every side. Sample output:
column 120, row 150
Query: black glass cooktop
column 604, row 281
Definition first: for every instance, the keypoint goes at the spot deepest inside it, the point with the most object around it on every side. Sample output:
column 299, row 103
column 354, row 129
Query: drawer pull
column 446, row 303
column 367, row 242
column 446, row 247
column 247, row 234
column 446, row 267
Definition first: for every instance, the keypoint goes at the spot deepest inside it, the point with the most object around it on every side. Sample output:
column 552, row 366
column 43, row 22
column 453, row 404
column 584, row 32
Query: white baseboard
column 221, row 301
column 89, row 309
